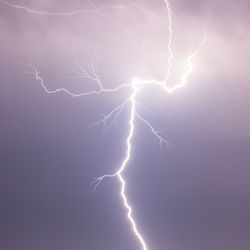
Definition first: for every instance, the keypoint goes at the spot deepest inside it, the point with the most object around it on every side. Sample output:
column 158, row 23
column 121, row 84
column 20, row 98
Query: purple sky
column 194, row 195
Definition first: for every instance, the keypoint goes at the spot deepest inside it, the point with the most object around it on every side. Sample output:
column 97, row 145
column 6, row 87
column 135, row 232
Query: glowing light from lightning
column 136, row 86
column 123, row 166
column 169, row 41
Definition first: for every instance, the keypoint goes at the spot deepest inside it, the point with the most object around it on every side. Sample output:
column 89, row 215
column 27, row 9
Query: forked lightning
column 136, row 86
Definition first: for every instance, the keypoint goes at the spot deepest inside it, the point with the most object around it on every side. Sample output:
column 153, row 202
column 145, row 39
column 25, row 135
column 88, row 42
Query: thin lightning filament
column 136, row 86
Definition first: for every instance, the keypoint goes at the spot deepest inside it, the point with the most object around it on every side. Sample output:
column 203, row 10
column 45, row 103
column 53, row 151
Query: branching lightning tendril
column 136, row 86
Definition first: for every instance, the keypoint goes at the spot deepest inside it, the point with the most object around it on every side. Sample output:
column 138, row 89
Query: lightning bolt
column 169, row 40
column 136, row 86
column 93, row 9
column 69, row 13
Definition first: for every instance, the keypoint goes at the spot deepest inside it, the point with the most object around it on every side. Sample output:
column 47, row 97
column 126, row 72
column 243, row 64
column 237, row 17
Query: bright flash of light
column 124, row 164
column 170, row 28
column 136, row 86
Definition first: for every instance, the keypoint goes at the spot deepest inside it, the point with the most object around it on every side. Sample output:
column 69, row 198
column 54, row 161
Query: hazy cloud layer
column 192, row 196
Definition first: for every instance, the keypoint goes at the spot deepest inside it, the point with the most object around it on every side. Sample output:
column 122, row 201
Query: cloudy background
column 194, row 195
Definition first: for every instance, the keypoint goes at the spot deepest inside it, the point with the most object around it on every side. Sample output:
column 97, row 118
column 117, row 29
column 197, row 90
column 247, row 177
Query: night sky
column 193, row 195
